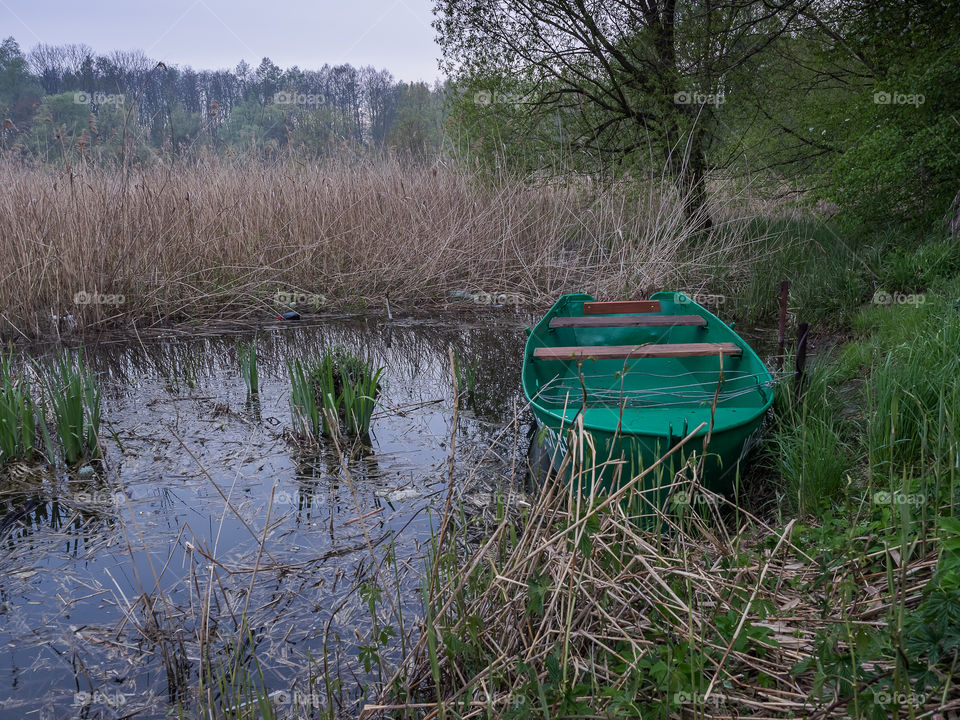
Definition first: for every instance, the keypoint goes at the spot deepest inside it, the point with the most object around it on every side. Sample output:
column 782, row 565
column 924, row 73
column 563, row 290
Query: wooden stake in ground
column 782, row 326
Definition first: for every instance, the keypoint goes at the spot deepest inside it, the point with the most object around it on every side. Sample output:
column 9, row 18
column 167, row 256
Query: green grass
column 232, row 685
column 886, row 405
column 358, row 400
column 306, row 413
column 828, row 274
column 833, row 270
column 912, row 396
column 247, row 357
column 467, row 373
column 911, row 268
column 72, row 394
column 810, row 447
column 18, row 414
column 872, row 453
column 339, row 386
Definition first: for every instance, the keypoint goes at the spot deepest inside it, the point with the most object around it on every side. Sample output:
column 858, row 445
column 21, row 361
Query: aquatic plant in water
column 339, row 386
column 74, row 399
column 247, row 357
column 18, row 414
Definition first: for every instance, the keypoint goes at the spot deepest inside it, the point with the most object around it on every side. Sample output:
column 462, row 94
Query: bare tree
column 638, row 75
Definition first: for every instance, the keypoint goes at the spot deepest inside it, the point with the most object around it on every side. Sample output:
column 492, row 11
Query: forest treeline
column 66, row 99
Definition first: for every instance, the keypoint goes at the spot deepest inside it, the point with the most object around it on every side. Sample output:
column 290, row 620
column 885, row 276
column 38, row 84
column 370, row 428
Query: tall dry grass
column 211, row 239
column 578, row 609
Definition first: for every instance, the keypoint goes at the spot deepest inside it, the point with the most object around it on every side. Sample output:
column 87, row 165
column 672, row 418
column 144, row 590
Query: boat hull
column 622, row 441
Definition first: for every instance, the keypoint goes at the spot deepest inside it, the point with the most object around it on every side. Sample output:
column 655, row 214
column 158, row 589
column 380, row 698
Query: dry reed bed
column 214, row 240
column 736, row 610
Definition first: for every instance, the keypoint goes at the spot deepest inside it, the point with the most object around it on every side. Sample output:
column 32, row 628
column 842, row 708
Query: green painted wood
column 623, row 352
column 628, row 321
column 640, row 402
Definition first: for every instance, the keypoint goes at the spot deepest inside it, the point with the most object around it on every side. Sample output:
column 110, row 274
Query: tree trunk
column 693, row 185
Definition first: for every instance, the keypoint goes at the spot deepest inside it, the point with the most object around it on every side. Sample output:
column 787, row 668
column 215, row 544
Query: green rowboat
column 644, row 374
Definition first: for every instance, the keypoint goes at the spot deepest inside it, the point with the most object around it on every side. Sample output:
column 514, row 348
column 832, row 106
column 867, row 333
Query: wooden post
column 389, row 324
column 782, row 328
column 803, row 329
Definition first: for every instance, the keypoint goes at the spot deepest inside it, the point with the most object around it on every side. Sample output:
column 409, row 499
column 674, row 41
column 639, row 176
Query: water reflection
column 168, row 549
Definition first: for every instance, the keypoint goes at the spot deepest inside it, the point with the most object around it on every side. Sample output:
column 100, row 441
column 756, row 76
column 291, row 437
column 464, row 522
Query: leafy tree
column 861, row 104
column 180, row 109
column 253, row 126
column 381, row 95
column 59, row 123
column 905, row 165
column 488, row 122
column 416, row 130
column 313, row 132
column 68, row 128
column 267, row 80
column 629, row 78
column 19, row 93
column 185, row 126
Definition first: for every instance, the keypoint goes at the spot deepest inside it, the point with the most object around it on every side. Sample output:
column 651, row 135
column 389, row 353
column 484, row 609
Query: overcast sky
column 217, row 34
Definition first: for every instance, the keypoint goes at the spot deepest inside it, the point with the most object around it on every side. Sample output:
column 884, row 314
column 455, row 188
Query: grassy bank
column 837, row 597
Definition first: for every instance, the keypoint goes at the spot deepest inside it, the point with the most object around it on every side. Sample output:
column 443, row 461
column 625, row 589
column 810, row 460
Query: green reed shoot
column 336, row 392
column 74, row 399
column 466, row 375
column 247, row 356
column 308, row 420
column 18, row 414
column 238, row 682
column 358, row 400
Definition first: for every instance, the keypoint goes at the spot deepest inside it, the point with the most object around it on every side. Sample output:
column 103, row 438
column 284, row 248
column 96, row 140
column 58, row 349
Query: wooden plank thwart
column 623, row 352
column 635, row 321
column 621, row 306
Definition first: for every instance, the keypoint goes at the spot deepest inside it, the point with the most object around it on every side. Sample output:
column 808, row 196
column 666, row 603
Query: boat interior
column 646, row 362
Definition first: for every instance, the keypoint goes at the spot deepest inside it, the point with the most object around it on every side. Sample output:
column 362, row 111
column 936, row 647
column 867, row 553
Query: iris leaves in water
column 247, row 357
column 339, row 385
column 74, row 400
column 18, row 415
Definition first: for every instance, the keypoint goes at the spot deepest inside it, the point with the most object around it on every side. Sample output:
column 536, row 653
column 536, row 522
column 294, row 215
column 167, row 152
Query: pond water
column 116, row 584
